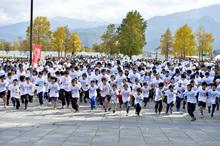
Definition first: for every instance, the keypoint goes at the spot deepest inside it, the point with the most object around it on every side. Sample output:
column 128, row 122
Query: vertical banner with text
column 36, row 53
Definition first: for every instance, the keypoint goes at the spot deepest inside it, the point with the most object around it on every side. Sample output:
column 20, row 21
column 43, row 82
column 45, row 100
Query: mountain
column 90, row 31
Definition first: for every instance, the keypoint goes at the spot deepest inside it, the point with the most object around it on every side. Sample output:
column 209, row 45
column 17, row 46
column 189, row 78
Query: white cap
column 180, row 82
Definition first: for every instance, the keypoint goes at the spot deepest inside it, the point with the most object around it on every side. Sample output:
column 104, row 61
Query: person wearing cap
column 179, row 96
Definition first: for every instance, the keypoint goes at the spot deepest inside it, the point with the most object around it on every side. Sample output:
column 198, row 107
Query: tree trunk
column 184, row 53
column 202, row 55
column 199, row 55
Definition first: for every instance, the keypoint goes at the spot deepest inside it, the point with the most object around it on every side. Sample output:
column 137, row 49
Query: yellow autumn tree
column 184, row 42
column 166, row 43
column 205, row 41
column 75, row 43
column 59, row 37
column 15, row 46
column 41, row 33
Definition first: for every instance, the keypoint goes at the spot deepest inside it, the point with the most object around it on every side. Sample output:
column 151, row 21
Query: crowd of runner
column 113, row 83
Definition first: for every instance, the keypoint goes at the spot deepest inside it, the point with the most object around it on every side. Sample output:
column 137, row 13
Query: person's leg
column 13, row 101
column 63, row 98
column 8, row 96
column 26, row 101
column 17, row 103
column 217, row 103
column 156, row 106
column 191, row 108
column 106, row 103
column 184, row 104
column 128, row 107
column 213, row 109
column 138, row 109
column 167, row 109
column 30, row 98
column 40, row 95
column 160, row 106
column 22, row 99
column 177, row 102
column 68, row 97
column 171, row 106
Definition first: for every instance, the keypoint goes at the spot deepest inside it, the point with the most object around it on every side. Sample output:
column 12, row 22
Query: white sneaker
column 202, row 116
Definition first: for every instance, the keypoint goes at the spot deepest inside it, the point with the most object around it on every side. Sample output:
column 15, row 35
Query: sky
column 111, row 11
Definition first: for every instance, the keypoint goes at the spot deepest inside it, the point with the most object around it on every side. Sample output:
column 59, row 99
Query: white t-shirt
column 65, row 83
column 75, row 91
column 119, row 80
column 54, row 88
column 145, row 91
column 92, row 91
column 13, row 89
column 202, row 94
column 22, row 89
column 191, row 96
column 41, row 88
column 73, row 74
column 84, row 83
column 106, row 88
column 158, row 94
column 10, row 81
column 212, row 96
column 138, row 101
column 170, row 96
column 29, row 88
column 3, row 85
column 125, row 95
column 180, row 90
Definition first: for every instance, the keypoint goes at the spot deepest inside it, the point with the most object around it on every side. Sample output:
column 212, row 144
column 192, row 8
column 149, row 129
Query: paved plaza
column 42, row 126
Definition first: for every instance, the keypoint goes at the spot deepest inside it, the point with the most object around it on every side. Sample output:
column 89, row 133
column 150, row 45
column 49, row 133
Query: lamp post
column 31, row 28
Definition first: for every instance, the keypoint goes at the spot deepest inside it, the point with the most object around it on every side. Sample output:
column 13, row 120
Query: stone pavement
column 42, row 126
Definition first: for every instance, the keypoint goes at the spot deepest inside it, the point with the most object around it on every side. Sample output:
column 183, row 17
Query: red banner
column 36, row 53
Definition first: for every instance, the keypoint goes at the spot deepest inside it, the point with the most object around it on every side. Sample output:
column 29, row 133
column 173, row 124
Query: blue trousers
column 127, row 105
column 178, row 102
column 92, row 101
column 40, row 96
column 191, row 108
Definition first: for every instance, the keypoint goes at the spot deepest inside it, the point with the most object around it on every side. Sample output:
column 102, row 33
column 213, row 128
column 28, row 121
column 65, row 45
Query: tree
column 24, row 46
column 204, row 40
column 96, row 47
column 75, row 42
column 166, row 43
column 109, row 43
column 41, row 33
column 15, row 46
column 67, row 46
column 6, row 47
column 184, row 42
column 59, row 37
column 131, row 34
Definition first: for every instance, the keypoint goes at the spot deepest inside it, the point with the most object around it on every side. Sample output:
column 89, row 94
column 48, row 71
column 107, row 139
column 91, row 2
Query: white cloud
column 13, row 11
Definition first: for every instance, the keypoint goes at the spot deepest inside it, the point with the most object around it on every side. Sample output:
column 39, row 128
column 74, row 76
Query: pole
column 31, row 28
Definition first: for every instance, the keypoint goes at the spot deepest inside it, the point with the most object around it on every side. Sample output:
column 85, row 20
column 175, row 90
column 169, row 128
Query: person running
column 53, row 90
column 114, row 98
column 126, row 98
column 15, row 94
column 93, row 94
column 202, row 97
column 145, row 90
column 159, row 98
column 105, row 92
column 3, row 89
column 29, row 89
column 212, row 95
column 170, row 99
column 74, row 88
column 190, row 99
column 138, row 101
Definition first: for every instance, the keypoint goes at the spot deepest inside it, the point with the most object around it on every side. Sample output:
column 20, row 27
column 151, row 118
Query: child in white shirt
column 74, row 88
column 29, row 89
column 138, row 100
column 145, row 91
column 53, row 89
column 92, row 94
column 15, row 94
column 114, row 98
